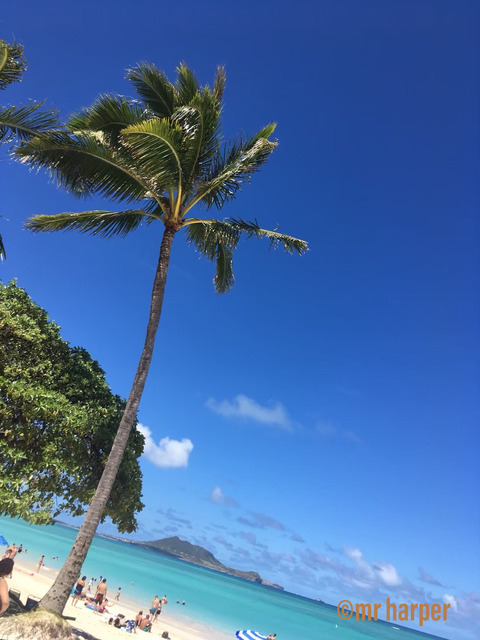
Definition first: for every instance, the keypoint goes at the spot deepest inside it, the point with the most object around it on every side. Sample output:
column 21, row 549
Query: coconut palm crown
column 159, row 156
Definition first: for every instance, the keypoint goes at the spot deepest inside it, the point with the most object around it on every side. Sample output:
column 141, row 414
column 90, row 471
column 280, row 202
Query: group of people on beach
column 99, row 604
column 145, row 622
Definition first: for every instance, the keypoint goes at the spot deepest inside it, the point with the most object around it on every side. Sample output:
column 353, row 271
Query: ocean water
column 212, row 599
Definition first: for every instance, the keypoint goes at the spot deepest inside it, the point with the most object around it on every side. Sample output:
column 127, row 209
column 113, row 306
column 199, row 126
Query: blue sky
column 320, row 422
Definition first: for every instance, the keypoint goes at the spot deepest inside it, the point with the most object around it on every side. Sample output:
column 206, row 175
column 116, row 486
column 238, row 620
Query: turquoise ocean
column 213, row 600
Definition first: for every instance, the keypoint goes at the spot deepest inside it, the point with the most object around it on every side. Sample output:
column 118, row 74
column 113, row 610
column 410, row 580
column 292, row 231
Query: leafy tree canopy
column 58, row 420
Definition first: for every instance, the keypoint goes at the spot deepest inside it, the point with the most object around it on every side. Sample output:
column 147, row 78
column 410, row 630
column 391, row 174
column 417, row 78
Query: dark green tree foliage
column 58, row 420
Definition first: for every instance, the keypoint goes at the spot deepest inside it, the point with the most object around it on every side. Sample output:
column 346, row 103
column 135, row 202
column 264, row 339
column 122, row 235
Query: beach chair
column 14, row 592
column 31, row 603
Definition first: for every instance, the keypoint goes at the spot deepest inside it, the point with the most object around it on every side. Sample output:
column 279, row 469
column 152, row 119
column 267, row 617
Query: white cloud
column 167, row 453
column 218, row 497
column 243, row 407
column 354, row 554
column 387, row 574
column 451, row 600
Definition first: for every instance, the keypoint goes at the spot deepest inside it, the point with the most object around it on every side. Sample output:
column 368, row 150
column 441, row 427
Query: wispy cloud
column 261, row 521
column 328, row 431
column 218, row 497
column 172, row 516
column 426, row 577
column 245, row 408
column 296, row 538
column 251, row 538
column 167, row 453
column 221, row 540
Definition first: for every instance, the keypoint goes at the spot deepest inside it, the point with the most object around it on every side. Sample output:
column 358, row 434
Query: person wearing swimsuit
column 77, row 594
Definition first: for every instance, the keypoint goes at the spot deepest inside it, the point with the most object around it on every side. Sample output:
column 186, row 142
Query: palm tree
column 19, row 123
column 161, row 155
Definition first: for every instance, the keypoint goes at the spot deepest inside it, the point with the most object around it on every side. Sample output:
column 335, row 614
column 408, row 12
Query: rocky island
column 189, row 552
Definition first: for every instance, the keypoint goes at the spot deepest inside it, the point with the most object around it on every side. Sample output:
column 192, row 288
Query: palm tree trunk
column 56, row 598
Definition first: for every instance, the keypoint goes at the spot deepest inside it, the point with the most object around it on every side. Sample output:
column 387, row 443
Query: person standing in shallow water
column 6, row 568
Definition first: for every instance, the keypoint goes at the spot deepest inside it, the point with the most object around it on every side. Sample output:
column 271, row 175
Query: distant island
column 195, row 554
column 187, row 551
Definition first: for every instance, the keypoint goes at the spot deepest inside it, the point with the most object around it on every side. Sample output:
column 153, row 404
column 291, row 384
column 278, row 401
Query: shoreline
column 30, row 583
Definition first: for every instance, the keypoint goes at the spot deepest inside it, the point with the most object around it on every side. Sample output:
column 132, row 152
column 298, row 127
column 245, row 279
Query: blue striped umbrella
column 3, row 541
column 250, row 635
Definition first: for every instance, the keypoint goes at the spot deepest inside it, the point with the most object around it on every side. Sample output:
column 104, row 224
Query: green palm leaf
column 224, row 279
column 216, row 240
column 12, row 63
column 251, row 229
column 219, row 83
column 156, row 146
column 98, row 223
column 200, row 125
column 187, row 85
column 109, row 114
column 229, row 172
column 85, row 166
column 25, row 122
column 153, row 86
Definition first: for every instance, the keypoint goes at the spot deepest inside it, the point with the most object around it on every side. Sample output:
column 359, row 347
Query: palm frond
column 154, row 88
column 200, row 123
column 216, row 240
column 187, row 85
column 109, row 114
column 228, row 172
column 3, row 253
column 105, row 224
column 224, row 279
column 206, row 234
column 251, row 229
column 12, row 63
column 156, row 145
column 84, row 166
column 219, row 83
column 25, row 122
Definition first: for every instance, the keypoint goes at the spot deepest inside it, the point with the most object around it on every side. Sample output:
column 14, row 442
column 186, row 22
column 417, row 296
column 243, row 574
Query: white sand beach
column 29, row 583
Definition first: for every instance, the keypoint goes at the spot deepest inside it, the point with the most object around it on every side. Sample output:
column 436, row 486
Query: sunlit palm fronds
column 217, row 240
column 109, row 114
column 102, row 223
column 23, row 123
column 251, row 229
column 84, row 166
column 12, row 63
column 165, row 154
column 153, row 86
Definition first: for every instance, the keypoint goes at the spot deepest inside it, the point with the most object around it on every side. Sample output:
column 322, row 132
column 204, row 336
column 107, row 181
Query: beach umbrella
column 3, row 541
column 250, row 635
